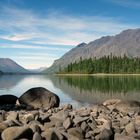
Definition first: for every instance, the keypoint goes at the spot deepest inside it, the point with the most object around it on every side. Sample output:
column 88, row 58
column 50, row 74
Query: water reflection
column 95, row 89
column 78, row 90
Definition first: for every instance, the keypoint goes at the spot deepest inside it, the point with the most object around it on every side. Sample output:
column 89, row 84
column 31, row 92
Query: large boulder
column 39, row 98
column 8, row 99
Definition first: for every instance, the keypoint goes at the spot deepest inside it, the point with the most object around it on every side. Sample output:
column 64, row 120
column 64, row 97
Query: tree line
column 106, row 64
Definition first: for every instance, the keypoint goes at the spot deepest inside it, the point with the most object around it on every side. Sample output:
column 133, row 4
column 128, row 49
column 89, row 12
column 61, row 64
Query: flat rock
column 67, row 123
column 79, row 119
column 12, row 133
column 76, row 133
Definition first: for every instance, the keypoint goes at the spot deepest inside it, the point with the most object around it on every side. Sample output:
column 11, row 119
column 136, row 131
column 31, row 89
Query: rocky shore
column 112, row 120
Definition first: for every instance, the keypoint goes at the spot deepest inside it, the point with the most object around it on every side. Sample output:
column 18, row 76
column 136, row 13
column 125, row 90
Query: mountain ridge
column 125, row 43
column 7, row 65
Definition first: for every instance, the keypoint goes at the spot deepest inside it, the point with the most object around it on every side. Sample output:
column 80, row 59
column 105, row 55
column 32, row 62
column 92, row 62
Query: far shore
column 100, row 74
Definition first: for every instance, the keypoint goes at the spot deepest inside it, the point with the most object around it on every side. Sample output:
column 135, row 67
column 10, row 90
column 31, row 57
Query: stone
column 45, row 118
column 35, row 128
column 3, row 126
column 105, row 135
column 124, row 121
column 84, row 112
column 67, row 123
column 37, row 136
column 111, row 102
column 61, row 115
column 128, row 106
column 12, row 115
column 28, row 117
column 92, row 125
column 76, row 132
column 85, row 127
column 67, row 107
column 79, row 119
column 52, row 135
column 123, row 137
column 39, row 98
column 8, row 99
column 130, row 127
column 16, row 132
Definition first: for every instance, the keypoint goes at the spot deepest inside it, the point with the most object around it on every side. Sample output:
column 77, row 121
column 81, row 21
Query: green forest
column 107, row 64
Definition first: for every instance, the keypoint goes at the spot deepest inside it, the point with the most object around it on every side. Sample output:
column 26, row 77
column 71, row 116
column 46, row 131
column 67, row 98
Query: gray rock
column 67, row 107
column 67, row 123
column 75, row 133
column 85, row 127
column 37, row 136
column 52, row 135
column 84, row 112
column 105, row 135
column 61, row 115
column 3, row 126
column 35, row 128
column 12, row 133
column 92, row 125
column 124, row 121
column 122, row 137
column 129, row 128
column 79, row 119
column 12, row 115
column 128, row 106
column 39, row 98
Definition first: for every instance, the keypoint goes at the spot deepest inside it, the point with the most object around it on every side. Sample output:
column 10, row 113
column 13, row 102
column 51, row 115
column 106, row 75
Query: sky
column 34, row 33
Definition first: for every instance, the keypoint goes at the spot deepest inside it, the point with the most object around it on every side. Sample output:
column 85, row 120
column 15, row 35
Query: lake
column 77, row 90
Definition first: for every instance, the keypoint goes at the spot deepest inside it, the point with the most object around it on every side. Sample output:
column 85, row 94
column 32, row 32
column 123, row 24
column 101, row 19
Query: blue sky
column 34, row 33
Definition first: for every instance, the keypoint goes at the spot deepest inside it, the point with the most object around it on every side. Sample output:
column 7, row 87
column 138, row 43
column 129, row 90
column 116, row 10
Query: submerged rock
column 39, row 98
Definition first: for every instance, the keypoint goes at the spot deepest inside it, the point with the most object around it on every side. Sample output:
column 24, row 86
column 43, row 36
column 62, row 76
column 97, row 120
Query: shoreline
column 98, row 74
column 111, row 120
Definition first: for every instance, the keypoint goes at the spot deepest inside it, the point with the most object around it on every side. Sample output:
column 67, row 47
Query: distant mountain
column 9, row 66
column 126, row 43
column 39, row 70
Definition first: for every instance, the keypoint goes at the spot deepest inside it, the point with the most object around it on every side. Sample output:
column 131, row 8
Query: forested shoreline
column 106, row 64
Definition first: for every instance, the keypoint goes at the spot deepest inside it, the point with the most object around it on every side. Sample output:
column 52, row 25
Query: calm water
column 77, row 90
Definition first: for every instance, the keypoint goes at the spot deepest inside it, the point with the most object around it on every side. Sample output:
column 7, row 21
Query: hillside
column 126, row 43
column 9, row 66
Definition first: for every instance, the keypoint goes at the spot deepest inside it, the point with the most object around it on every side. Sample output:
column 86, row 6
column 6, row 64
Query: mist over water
column 77, row 90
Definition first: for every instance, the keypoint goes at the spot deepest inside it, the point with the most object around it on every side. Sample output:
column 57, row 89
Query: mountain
column 39, row 70
column 9, row 66
column 126, row 43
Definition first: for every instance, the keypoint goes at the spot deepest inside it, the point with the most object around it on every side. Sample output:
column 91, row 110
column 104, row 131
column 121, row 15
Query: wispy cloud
column 56, row 28
column 54, row 32
column 126, row 3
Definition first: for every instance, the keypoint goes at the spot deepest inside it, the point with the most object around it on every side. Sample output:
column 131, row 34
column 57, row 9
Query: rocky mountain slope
column 126, row 43
column 9, row 66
